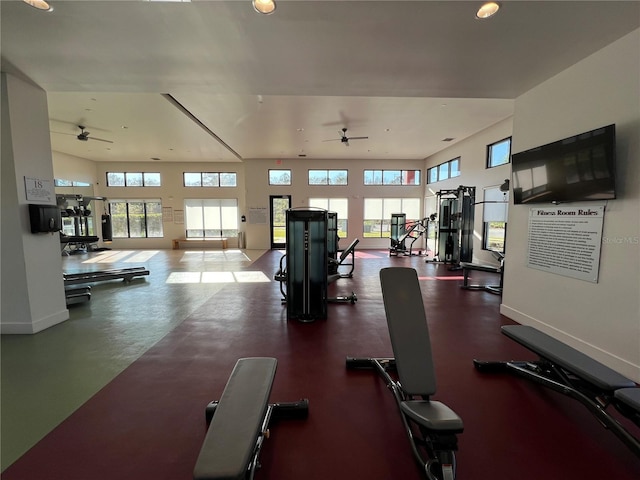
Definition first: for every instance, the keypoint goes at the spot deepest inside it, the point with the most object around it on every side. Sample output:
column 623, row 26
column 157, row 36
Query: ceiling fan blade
column 333, row 140
column 64, row 133
column 100, row 139
column 358, row 138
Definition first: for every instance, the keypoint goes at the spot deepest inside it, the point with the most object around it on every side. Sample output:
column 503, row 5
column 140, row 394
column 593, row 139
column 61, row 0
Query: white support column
column 31, row 284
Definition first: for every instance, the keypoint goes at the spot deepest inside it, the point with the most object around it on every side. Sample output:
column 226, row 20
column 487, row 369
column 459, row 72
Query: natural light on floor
column 218, row 277
column 127, row 256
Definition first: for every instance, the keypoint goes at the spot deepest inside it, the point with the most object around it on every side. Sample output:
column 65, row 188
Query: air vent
column 448, row 139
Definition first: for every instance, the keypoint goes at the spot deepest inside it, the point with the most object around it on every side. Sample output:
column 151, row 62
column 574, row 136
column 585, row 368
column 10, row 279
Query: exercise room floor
column 118, row 391
column 45, row 377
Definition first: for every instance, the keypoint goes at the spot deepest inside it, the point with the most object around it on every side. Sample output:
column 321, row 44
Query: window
column 338, row 205
column 133, row 179
column 136, row 218
column 392, row 177
column 377, row 214
column 279, row 177
column 444, row 171
column 210, row 179
column 496, row 204
column 499, row 153
column 57, row 182
column 328, row 177
column 210, row 218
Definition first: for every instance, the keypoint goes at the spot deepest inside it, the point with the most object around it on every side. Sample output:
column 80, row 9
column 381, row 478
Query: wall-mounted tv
column 575, row 169
column 45, row 218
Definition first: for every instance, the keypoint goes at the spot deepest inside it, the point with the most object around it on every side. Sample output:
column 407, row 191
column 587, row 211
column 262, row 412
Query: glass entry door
column 279, row 204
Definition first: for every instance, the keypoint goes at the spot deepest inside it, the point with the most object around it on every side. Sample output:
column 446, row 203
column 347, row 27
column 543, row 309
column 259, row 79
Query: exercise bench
column 126, row 274
column 431, row 426
column 468, row 267
column 239, row 421
column 347, row 258
column 570, row 372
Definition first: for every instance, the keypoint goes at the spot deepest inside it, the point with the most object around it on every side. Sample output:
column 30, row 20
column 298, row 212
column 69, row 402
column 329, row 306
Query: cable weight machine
column 454, row 236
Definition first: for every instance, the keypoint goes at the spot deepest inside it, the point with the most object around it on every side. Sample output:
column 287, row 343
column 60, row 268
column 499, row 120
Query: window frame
column 218, row 204
column 328, row 177
column 449, row 166
column 385, row 223
column 124, row 179
column 383, row 175
column 490, row 161
column 128, row 202
column 283, row 172
column 217, row 175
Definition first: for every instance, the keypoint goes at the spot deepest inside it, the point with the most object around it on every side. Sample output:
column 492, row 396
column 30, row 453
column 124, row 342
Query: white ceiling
column 407, row 74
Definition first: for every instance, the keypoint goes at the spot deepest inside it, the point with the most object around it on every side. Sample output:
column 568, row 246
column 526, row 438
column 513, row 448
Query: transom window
column 133, row 179
column 392, row 177
column 328, row 177
column 279, row 177
column 499, row 153
column 444, row 171
column 210, row 179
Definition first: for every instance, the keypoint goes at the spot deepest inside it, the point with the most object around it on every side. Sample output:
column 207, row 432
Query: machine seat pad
column 567, row 357
column 232, row 434
column 435, row 416
column 630, row 397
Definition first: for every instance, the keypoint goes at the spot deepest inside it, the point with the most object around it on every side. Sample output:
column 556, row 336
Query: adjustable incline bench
column 334, row 264
column 431, row 426
column 240, row 422
column 570, row 372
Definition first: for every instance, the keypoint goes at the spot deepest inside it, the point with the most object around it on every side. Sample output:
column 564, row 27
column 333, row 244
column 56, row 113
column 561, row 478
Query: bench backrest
column 408, row 330
column 228, row 446
column 346, row 252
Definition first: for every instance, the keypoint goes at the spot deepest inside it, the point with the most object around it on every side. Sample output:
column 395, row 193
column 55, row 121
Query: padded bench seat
column 630, row 397
column 568, row 357
column 570, row 372
column 230, row 440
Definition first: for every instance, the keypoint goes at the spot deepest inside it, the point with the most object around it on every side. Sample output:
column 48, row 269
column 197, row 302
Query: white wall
column 473, row 173
column 602, row 319
column 68, row 167
column 32, row 287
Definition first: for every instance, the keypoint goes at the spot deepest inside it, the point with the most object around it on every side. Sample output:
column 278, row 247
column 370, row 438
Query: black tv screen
column 575, row 169
column 45, row 218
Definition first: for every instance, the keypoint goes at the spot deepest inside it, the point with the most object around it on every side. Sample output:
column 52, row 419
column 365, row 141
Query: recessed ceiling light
column 487, row 10
column 266, row 7
column 39, row 4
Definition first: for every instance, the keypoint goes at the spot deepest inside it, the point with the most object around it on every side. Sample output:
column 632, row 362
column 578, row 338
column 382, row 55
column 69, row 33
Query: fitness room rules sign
column 566, row 241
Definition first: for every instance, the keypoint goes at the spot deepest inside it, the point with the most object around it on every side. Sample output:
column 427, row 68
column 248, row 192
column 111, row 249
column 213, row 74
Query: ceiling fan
column 83, row 136
column 344, row 139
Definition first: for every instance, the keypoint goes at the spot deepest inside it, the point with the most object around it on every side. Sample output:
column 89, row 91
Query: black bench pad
column 228, row 446
column 629, row 396
column 567, row 358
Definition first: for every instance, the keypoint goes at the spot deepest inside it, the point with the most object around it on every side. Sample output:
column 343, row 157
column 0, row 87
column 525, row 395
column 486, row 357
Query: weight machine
column 454, row 236
column 403, row 233
column 304, row 268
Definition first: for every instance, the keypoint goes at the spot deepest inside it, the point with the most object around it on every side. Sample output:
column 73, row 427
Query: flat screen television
column 575, row 169
column 45, row 218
